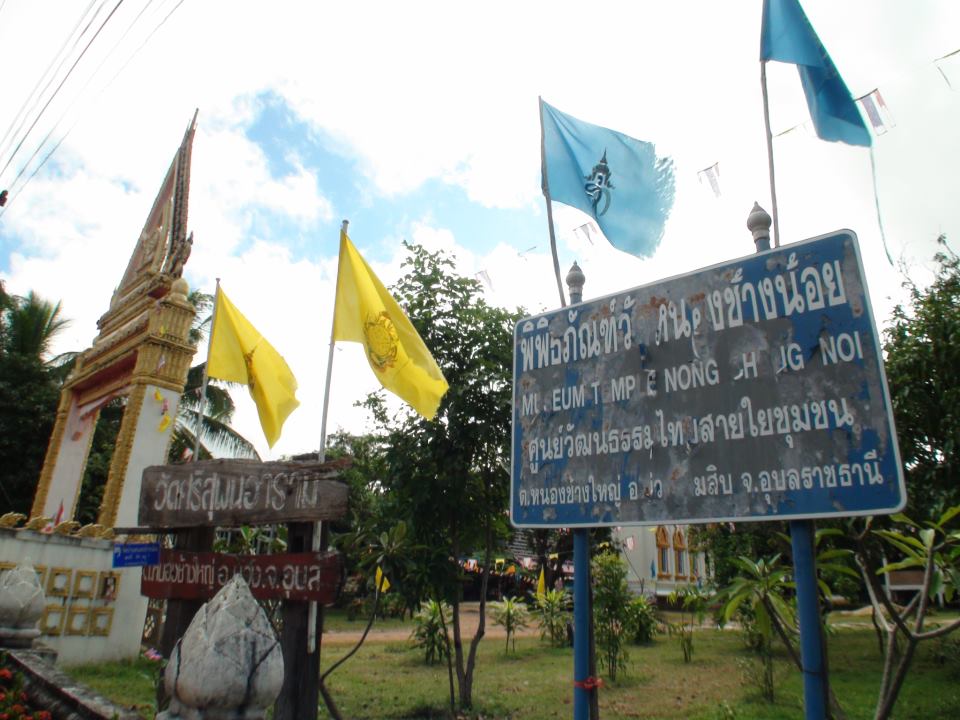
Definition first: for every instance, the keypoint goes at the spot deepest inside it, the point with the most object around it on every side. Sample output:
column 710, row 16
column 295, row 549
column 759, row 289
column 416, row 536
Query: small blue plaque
column 136, row 554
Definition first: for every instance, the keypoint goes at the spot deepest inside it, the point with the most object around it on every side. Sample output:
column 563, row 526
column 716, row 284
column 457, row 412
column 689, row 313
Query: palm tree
column 218, row 410
column 31, row 324
column 216, row 432
column 29, row 385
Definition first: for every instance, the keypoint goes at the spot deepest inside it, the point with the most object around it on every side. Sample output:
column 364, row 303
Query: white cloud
column 441, row 91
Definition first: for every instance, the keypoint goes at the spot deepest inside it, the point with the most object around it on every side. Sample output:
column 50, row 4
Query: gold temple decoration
column 143, row 341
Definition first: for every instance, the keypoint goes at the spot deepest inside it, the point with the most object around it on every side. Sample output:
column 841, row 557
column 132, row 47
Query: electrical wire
column 76, row 99
column 24, row 112
column 65, row 78
column 43, row 162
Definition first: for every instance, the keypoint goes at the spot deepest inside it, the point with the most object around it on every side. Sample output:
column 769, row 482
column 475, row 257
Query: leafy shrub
column 610, row 600
column 392, row 605
column 430, row 632
column 946, row 652
column 692, row 602
column 553, row 614
column 512, row 616
column 642, row 620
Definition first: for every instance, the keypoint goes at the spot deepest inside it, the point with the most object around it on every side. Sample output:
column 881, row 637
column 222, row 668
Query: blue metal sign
column 136, row 554
column 750, row 390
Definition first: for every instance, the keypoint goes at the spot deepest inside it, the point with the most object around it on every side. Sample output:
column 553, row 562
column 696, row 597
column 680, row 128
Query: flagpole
column 206, row 378
column 322, row 452
column 546, row 194
column 773, row 182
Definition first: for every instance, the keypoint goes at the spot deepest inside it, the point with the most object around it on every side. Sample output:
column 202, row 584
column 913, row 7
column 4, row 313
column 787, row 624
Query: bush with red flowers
column 13, row 700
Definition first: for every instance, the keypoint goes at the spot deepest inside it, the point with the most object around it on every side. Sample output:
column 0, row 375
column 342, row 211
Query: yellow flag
column 386, row 583
column 238, row 353
column 541, row 586
column 366, row 313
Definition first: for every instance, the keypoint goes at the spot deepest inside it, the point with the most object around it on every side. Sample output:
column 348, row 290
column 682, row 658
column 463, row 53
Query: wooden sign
column 198, row 576
column 230, row 493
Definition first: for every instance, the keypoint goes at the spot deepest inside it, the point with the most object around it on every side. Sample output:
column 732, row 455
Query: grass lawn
column 389, row 680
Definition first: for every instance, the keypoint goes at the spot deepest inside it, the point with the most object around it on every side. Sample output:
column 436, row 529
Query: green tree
column 29, row 389
column 760, row 591
column 932, row 547
column 447, row 476
column 922, row 349
column 611, row 597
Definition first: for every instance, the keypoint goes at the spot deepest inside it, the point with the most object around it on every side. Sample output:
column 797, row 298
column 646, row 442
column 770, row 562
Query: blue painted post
column 581, row 572
column 581, row 623
column 804, row 563
column 811, row 639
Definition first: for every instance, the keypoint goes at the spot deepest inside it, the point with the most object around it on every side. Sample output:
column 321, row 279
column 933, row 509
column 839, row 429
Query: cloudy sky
column 418, row 121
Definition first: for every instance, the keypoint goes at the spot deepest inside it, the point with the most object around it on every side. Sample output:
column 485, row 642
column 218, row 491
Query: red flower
column 4, row 716
column 44, row 715
column 18, row 709
column 5, row 674
column 3, row 696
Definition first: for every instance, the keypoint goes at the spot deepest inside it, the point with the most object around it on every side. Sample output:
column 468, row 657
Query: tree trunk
column 446, row 640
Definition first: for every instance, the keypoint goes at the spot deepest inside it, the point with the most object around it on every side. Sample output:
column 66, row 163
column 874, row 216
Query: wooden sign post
column 195, row 498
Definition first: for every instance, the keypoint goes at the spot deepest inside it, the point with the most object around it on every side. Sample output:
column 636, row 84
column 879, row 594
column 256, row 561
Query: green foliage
column 430, row 631
column 251, row 540
column 692, row 602
column 98, row 460
column 553, row 614
column 215, row 431
column 922, row 351
column 723, row 543
column 931, row 547
column 642, row 620
column 511, row 615
column 446, row 476
column 610, row 600
column 29, row 389
column 760, row 589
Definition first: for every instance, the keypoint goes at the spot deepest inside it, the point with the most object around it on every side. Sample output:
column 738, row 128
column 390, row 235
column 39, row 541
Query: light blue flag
column 617, row 180
column 787, row 36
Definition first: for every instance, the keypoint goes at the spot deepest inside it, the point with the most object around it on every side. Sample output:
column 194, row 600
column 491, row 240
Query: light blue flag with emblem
column 787, row 36
column 617, row 180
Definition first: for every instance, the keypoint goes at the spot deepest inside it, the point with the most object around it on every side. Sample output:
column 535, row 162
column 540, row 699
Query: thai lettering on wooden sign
column 198, row 576
column 229, row 493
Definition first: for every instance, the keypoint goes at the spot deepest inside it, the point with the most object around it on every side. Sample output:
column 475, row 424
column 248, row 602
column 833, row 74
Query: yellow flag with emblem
column 240, row 354
column 541, row 586
column 366, row 313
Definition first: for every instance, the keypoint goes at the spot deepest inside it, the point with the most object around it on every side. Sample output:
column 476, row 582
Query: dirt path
column 469, row 620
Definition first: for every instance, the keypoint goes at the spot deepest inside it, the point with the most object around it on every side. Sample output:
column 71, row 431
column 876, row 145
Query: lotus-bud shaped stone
column 228, row 665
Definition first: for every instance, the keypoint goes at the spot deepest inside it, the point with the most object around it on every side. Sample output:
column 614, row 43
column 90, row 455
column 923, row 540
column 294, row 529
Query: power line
column 90, row 79
column 100, row 92
column 24, row 111
column 65, row 78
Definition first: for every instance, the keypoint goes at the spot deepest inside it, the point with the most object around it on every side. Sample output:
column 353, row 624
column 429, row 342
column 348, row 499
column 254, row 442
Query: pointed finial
column 575, row 281
column 758, row 223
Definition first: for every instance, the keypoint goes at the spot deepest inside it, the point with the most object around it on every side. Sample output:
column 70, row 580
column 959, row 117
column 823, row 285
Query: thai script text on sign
column 198, row 576
column 237, row 492
column 747, row 390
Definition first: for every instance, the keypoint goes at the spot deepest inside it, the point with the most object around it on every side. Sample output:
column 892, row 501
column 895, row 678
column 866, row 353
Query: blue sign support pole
column 811, row 639
column 581, row 623
column 804, row 563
